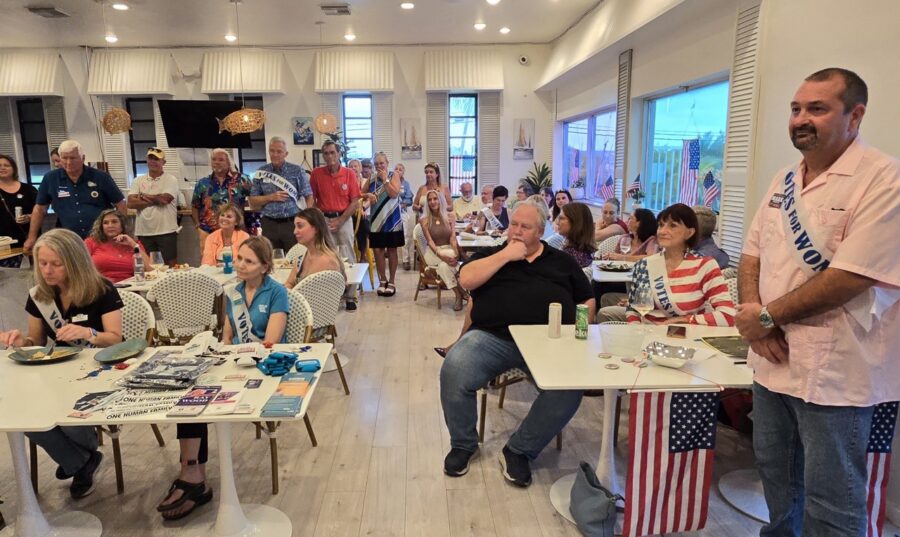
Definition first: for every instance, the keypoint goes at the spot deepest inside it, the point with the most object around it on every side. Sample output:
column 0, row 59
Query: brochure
column 288, row 397
column 195, row 401
column 225, row 403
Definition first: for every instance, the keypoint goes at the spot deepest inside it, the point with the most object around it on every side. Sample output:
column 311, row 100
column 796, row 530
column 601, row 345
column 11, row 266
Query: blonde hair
column 231, row 165
column 97, row 229
column 86, row 284
column 238, row 214
column 429, row 216
column 262, row 249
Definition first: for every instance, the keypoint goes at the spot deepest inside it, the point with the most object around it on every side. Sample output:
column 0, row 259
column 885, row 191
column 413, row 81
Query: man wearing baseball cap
column 154, row 197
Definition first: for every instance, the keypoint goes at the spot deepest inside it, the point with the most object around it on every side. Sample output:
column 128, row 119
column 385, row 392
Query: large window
column 463, row 141
column 33, row 130
column 142, row 135
column 250, row 160
column 590, row 153
column 685, row 146
column 358, row 126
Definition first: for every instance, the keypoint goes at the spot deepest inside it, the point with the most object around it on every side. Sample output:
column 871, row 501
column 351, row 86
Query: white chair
column 188, row 303
column 733, row 289
column 295, row 254
column 729, row 273
column 323, row 291
column 608, row 245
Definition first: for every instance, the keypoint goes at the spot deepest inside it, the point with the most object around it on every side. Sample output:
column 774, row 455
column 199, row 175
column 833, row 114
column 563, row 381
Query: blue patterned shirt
column 282, row 209
column 406, row 195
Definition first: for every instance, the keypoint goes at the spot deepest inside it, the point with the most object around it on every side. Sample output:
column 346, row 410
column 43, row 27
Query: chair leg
column 418, row 286
column 502, row 395
column 117, row 458
column 482, row 414
column 309, row 429
column 616, row 422
column 100, row 435
column 32, row 451
column 258, row 429
column 159, row 438
column 340, row 368
column 273, row 448
column 439, row 295
column 559, row 441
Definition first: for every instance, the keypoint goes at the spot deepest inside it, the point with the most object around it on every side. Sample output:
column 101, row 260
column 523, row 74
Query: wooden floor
column 378, row 468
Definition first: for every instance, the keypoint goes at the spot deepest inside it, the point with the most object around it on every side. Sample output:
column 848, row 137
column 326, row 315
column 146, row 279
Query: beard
column 804, row 138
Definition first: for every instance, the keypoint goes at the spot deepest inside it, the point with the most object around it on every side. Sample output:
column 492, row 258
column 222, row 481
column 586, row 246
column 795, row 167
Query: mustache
column 805, row 129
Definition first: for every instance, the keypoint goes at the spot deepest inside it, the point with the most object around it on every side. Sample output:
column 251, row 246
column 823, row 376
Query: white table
column 480, row 241
column 605, row 276
column 217, row 273
column 356, row 274
column 567, row 363
column 59, row 390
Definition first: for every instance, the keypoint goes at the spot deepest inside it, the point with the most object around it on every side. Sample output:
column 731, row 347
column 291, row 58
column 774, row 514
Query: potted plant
column 636, row 197
column 538, row 177
column 577, row 189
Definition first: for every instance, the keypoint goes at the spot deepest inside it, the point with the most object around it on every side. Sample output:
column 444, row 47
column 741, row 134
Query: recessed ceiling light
column 120, row 7
column 349, row 36
column 111, row 38
column 493, row 2
column 231, row 38
column 504, row 30
column 480, row 26
column 407, row 5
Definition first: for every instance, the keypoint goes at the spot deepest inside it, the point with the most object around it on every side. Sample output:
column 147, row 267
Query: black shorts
column 386, row 239
column 166, row 244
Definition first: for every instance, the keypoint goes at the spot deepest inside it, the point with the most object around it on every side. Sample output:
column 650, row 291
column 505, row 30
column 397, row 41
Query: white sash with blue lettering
column 240, row 315
column 491, row 219
column 54, row 318
column 283, row 184
column 659, row 283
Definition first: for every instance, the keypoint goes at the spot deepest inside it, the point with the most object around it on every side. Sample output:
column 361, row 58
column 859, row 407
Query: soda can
column 18, row 213
column 581, row 321
column 555, row 320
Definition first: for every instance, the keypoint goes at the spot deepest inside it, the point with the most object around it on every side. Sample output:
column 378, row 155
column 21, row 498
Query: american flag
column 635, row 185
column 606, row 191
column 690, row 166
column 669, row 462
column 711, row 189
column 878, row 464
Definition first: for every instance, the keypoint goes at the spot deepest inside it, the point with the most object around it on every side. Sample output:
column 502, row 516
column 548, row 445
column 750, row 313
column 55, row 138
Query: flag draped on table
column 670, row 458
column 606, row 191
column 690, row 166
column 711, row 190
column 635, row 185
column 878, row 465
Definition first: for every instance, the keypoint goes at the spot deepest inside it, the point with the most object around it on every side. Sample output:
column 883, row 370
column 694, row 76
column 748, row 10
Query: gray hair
column 381, row 154
column 539, row 205
column 231, row 165
column 278, row 140
column 706, row 220
column 71, row 145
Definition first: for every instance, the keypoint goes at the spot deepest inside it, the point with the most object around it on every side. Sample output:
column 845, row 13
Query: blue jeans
column 473, row 361
column 812, row 460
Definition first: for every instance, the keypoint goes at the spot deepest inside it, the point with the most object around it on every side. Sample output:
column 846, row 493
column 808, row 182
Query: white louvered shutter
column 114, row 145
column 488, row 138
column 741, row 124
column 383, row 123
column 7, row 139
column 55, row 120
column 173, row 163
column 623, row 108
column 331, row 104
column 436, row 125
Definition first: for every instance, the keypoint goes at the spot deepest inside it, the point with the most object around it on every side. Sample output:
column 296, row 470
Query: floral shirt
column 209, row 195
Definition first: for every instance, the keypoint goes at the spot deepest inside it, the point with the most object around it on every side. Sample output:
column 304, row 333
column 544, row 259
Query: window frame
column 137, row 158
column 591, row 134
column 28, row 163
column 256, row 136
column 454, row 188
column 370, row 118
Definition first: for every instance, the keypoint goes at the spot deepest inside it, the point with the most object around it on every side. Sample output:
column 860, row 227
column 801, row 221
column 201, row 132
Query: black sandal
column 190, row 492
column 391, row 290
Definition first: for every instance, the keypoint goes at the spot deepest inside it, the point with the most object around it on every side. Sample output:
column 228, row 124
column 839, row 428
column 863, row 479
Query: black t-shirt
column 25, row 199
column 90, row 315
column 521, row 292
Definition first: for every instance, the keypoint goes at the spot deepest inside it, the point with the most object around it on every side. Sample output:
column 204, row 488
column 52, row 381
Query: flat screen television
column 194, row 124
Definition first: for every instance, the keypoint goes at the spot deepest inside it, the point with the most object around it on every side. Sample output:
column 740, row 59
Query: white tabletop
column 567, row 363
column 356, row 273
column 480, row 241
column 609, row 276
column 217, row 273
column 37, row 397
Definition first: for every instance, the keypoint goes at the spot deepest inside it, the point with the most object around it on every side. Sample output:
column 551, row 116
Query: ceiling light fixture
column 350, row 36
column 493, row 2
column 111, row 38
column 231, row 38
column 407, row 5
column 116, row 120
column 246, row 119
column 504, row 30
column 480, row 26
column 120, row 7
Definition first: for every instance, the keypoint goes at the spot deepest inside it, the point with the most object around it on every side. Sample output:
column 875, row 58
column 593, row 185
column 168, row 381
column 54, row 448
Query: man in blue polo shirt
column 77, row 192
column 280, row 189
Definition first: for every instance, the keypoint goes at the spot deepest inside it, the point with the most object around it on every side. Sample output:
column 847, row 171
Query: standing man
column 819, row 308
column 336, row 192
column 466, row 204
column 408, row 217
column 280, row 190
column 154, row 197
column 77, row 192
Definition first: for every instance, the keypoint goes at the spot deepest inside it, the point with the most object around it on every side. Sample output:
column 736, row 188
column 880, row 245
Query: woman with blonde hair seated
column 441, row 250
column 311, row 230
column 112, row 249
column 230, row 235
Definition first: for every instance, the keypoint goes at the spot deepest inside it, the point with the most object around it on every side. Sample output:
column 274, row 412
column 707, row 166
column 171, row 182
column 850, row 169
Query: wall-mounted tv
column 194, row 124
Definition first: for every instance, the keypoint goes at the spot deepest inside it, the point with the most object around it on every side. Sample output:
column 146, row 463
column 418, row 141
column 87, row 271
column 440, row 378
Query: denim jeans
column 69, row 447
column 473, row 361
column 812, row 460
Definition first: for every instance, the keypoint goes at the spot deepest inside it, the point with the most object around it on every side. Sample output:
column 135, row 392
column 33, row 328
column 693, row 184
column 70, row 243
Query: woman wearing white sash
column 74, row 305
column 257, row 310
column 311, row 230
column 686, row 288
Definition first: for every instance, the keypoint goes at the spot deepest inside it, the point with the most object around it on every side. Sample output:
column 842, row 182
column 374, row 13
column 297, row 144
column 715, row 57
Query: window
column 250, row 160
column 142, row 135
column 34, row 140
column 463, row 142
column 590, row 154
column 685, row 146
column 358, row 126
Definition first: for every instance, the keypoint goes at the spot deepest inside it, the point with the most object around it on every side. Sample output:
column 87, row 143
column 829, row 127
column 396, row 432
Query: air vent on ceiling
column 335, row 8
column 48, row 12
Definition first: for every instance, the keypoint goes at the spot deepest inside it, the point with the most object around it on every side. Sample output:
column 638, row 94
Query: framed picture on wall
column 302, row 127
column 317, row 158
column 523, row 146
column 411, row 147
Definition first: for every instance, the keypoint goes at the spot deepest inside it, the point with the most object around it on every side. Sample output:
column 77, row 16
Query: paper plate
column 60, row 354
column 121, row 351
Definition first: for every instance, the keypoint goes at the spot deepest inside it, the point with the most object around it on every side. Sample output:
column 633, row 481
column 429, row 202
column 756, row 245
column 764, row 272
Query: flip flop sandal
column 382, row 290
column 391, row 290
column 188, row 491
column 200, row 498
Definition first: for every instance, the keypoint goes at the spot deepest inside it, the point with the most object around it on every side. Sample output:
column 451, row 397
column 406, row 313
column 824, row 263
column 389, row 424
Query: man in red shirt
column 336, row 192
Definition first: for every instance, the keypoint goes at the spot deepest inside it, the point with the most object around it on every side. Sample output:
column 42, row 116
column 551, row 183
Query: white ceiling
column 165, row 23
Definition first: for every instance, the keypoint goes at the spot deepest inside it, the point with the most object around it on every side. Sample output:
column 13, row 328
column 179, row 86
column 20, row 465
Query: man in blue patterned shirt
column 280, row 190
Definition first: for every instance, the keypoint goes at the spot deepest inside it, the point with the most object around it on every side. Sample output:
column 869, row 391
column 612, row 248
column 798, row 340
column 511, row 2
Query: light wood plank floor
column 378, row 468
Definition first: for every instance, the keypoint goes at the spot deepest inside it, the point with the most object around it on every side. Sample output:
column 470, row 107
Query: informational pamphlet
column 288, row 397
column 225, row 403
column 194, row 402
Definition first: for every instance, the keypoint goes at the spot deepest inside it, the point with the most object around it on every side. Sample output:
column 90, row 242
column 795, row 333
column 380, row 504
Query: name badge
column 263, row 308
column 344, row 187
column 95, row 194
column 19, row 196
column 92, row 184
column 80, row 318
column 776, row 201
column 63, row 192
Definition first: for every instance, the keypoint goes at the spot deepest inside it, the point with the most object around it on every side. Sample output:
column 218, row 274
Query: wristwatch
column 765, row 319
column 93, row 334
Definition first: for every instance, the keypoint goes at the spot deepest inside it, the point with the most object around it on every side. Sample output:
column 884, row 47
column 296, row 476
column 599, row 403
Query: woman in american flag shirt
column 686, row 288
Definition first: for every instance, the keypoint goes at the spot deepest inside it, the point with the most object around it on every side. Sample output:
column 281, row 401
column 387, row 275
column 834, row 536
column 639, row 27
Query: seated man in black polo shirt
column 510, row 284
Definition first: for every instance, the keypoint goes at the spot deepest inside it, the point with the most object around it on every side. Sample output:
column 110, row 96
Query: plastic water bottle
column 226, row 258
column 138, row 265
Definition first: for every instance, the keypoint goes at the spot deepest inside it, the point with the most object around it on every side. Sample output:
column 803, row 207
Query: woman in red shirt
column 111, row 248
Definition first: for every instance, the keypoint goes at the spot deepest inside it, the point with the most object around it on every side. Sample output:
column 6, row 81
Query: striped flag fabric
column 690, row 167
column 710, row 189
column 606, row 191
column 878, row 465
column 670, row 458
column 635, row 185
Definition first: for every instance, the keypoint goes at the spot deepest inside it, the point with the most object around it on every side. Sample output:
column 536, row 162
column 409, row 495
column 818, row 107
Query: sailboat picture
column 523, row 146
column 411, row 147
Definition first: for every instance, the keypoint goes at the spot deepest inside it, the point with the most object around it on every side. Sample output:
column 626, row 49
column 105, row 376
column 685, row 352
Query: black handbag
column 592, row 506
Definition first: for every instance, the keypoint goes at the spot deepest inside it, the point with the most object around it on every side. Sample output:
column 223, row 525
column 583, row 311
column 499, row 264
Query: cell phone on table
column 677, row 331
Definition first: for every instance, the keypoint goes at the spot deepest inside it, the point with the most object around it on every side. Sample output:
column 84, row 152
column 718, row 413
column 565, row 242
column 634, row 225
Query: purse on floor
column 592, row 506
